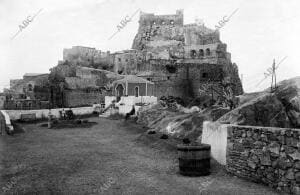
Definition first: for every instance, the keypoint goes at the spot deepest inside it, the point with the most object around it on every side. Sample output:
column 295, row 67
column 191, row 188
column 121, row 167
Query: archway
column 136, row 91
column 119, row 91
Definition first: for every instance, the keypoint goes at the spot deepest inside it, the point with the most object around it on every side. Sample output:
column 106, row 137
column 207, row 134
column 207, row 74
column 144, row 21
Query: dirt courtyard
column 111, row 157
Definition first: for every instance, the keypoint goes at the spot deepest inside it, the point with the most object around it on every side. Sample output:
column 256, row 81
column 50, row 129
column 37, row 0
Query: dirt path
column 109, row 158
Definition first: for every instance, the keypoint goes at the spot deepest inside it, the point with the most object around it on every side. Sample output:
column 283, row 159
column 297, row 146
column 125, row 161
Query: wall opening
column 208, row 52
column 171, row 69
column 119, row 91
column 29, row 87
column 193, row 53
column 201, row 53
column 205, row 75
column 136, row 91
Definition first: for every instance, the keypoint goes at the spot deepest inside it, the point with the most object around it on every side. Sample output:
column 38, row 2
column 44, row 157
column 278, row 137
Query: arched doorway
column 119, row 91
column 136, row 91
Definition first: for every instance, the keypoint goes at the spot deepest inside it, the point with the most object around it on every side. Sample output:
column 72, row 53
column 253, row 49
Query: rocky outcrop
column 288, row 92
column 174, row 123
column 265, row 110
column 279, row 109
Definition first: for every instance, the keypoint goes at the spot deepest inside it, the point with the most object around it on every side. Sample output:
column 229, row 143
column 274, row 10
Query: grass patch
column 77, row 123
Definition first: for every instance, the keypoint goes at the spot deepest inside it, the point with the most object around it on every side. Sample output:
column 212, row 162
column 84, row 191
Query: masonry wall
column 77, row 98
column 43, row 113
column 266, row 155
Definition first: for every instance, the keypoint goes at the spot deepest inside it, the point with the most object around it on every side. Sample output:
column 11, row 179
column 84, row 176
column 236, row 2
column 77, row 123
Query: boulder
column 265, row 110
column 278, row 109
column 288, row 92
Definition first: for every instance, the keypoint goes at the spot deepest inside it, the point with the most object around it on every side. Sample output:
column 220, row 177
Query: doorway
column 119, row 91
column 136, row 91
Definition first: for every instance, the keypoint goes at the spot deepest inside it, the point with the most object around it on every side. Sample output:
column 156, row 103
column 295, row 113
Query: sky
column 260, row 31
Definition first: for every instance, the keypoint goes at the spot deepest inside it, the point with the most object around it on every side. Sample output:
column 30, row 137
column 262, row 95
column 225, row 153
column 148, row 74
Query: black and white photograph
column 150, row 97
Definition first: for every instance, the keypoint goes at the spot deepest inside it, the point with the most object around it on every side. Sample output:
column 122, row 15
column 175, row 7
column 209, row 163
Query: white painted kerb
column 7, row 120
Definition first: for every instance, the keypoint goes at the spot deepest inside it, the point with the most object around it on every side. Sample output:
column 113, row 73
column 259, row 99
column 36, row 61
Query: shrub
column 151, row 132
column 164, row 136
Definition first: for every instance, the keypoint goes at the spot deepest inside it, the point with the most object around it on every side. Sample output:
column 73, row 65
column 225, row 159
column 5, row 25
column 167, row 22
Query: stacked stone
column 148, row 114
column 265, row 155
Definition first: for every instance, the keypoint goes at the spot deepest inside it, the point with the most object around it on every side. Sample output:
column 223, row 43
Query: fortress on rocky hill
column 178, row 58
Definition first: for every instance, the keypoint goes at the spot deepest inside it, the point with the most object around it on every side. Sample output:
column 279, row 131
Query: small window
column 171, row 69
column 154, row 23
column 193, row 53
column 201, row 53
column 172, row 22
column 29, row 87
column 204, row 75
column 208, row 52
column 119, row 59
column 126, row 60
column 168, row 78
column 163, row 22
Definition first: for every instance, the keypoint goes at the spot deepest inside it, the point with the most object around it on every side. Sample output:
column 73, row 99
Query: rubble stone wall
column 265, row 154
column 77, row 98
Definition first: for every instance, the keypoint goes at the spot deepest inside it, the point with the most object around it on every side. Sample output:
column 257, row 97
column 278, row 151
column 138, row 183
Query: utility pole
column 272, row 72
column 273, row 76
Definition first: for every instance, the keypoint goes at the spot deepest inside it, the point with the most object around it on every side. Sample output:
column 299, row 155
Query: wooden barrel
column 194, row 160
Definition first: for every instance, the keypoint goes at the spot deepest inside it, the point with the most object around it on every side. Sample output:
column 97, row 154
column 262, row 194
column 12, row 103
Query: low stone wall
column 132, row 100
column 266, row 155
column 2, row 124
column 43, row 113
column 124, row 109
column 5, row 121
column 76, row 98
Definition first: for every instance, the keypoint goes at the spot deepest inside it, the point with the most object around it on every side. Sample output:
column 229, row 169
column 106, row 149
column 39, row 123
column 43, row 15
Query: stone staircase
column 107, row 111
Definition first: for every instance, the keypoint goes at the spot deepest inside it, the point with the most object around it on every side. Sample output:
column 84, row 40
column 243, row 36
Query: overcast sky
column 258, row 32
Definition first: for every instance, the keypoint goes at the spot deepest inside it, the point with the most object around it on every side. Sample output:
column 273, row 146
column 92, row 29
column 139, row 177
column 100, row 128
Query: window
column 119, row 59
column 201, row 53
column 168, row 78
column 126, row 60
column 171, row 69
column 204, row 75
column 193, row 53
column 163, row 22
column 208, row 52
column 172, row 22
column 29, row 87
